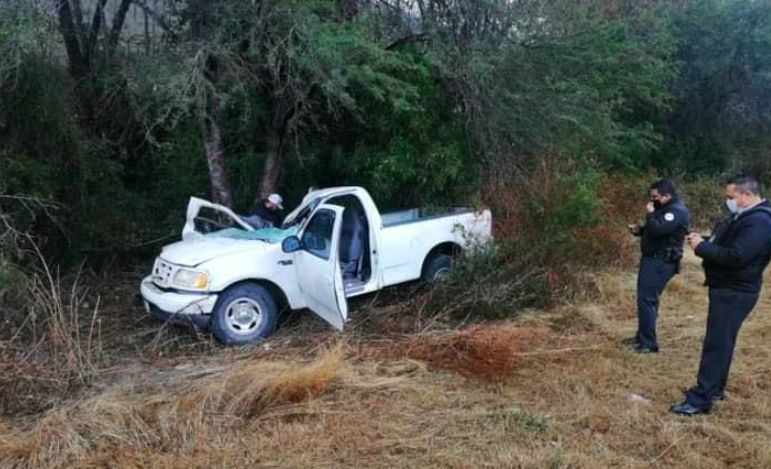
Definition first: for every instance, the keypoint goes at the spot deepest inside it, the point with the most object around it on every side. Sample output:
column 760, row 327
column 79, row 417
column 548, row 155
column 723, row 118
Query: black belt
column 670, row 257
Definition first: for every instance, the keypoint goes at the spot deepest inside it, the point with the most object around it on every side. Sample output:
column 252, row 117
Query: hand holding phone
column 694, row 239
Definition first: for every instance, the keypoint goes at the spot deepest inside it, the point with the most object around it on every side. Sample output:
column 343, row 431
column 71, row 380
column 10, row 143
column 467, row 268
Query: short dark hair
column 746, row 184
column 664, row 187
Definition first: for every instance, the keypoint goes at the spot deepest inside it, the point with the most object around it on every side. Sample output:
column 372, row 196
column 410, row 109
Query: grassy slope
column 365, row 403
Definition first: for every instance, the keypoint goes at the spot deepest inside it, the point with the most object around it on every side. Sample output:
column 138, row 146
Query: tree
column 722, row 108
column 584, row 77
column 291, row 61
column 203, row 21
column 306, row 53
column 81, row 44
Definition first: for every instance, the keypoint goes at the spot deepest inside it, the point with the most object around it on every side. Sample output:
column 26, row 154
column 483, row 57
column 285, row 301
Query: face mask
column 732, row 206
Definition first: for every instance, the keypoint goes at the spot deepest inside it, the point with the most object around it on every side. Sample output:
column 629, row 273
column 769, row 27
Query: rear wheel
column 244, row 313
column 436, row 267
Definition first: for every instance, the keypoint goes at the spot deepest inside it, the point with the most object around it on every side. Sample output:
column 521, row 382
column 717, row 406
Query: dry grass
column 487, row 353
column 565, row 394
column 139, row 418
column 55, row 347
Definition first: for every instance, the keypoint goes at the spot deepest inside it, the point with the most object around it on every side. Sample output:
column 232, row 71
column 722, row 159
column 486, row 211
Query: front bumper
column 176, row 307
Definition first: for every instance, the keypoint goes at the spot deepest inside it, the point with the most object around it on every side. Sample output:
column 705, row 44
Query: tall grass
column 182, row 415
column 56, row 344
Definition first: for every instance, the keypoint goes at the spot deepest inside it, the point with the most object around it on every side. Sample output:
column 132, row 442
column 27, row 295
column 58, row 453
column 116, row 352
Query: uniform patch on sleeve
column 669, row 216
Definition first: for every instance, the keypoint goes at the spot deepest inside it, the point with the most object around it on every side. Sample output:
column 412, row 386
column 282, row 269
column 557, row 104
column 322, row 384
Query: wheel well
column 282, row 302
column 449, row 248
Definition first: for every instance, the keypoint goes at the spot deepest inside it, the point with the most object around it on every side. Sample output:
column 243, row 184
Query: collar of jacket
column 673, row 202
column 750, row 208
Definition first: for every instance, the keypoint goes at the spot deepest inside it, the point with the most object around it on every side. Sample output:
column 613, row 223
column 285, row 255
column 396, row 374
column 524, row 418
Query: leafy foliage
column 723, row 91
column 422, row 103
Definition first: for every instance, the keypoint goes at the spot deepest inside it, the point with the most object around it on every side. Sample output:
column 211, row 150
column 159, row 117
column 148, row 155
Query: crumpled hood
column 191, row 252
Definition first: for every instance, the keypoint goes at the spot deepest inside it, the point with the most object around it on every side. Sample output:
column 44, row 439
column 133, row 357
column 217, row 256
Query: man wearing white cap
column 265, row 213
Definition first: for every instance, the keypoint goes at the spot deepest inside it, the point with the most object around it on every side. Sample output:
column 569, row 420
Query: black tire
column 244, row 313
column 436, row 267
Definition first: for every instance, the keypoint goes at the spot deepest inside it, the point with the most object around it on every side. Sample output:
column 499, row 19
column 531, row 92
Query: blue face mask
column 732, row 206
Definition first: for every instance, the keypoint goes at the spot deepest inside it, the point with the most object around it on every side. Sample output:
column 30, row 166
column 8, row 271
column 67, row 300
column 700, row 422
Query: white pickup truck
column 333, row 246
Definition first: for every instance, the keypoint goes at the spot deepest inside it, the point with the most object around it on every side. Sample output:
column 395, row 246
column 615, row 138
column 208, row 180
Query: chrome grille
column 162, row 272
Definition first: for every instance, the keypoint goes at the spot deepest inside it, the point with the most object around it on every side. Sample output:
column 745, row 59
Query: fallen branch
column 661, row 455
column 560, row 350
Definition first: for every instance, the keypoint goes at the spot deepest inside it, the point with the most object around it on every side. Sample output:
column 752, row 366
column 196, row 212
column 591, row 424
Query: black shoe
column 646, row 350
column 684, row 408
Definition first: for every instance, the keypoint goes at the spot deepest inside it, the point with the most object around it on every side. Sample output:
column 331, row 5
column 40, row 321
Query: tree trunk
column 283, row 122
column 210, row 112
column 117, row 27
column 79, row 26
column 213, row 148
column 72, row 41
column 80, row 43
column 284, row 112
column 270, row 169
column 93, row 34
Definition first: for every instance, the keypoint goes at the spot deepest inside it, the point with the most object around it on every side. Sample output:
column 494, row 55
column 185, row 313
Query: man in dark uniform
column 734, row 259
column 661, row 242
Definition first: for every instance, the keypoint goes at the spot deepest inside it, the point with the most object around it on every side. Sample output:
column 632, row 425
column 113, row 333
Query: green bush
column 705, row 198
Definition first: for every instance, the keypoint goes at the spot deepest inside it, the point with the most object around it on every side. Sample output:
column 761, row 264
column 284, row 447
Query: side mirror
column 291, row 244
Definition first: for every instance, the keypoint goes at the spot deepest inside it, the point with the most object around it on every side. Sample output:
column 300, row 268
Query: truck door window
column 317, row 238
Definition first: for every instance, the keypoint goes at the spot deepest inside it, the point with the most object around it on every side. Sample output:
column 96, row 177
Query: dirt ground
column 551, row 389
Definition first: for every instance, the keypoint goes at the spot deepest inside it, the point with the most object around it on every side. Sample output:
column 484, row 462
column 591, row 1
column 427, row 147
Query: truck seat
column 352, row 242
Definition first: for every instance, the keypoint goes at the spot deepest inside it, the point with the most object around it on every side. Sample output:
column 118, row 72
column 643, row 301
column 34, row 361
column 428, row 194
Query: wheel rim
column 442, row 273
column 243, row 316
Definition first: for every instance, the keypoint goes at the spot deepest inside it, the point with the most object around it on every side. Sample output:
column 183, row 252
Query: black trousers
column 727, row 311
column 652, row 278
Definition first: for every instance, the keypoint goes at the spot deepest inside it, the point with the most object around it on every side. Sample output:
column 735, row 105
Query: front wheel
column 436, row 268
column 244, row 313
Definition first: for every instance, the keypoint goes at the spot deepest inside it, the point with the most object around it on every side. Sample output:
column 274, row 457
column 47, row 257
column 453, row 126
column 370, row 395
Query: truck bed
column 414, row 215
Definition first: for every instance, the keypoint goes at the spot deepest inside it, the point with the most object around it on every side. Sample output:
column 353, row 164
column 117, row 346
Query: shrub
column 558, row 221
column 705, row 199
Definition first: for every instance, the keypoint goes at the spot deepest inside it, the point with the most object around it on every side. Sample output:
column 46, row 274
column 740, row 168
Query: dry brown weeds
column 485, row 352
column 571, row 398
column 180, row 416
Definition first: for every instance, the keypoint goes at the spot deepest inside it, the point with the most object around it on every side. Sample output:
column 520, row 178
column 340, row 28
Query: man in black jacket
column 661, row 242
column 734, row 259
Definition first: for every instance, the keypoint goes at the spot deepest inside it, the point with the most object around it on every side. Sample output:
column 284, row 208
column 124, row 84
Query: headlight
column 187, row 278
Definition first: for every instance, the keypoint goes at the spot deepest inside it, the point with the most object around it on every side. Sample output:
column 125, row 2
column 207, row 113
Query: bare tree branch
column 96, row 23
column 78, row 67
column 80, row 28
column 117, row 26
column 160, row 20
